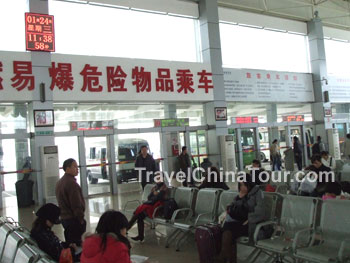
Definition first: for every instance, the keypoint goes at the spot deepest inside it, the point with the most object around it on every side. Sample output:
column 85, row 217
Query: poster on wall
column 338, row 89
column 74, row 78
column 267, row 86
column 44, row 118
column 221, row 114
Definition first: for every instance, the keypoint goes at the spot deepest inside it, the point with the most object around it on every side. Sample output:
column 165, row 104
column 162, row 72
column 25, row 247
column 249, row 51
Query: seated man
column 323, row 175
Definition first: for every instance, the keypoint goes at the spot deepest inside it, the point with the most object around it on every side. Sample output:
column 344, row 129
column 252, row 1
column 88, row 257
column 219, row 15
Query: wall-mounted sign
column 221, row 114
column 94, row 79
column 243, row 120
column 338, row 89
column 40, row 33
column 289, row 118
column 328, row 111
column 171, row 122
column 44, row 118
column 267, row 86
column 91, row 125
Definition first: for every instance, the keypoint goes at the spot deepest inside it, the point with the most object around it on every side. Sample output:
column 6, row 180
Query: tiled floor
column 154, row 245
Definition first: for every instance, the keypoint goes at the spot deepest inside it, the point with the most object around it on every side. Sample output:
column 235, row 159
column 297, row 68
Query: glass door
column 97, row 170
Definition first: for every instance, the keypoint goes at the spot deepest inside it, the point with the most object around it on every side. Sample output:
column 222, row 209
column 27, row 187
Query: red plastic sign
column 40, row 34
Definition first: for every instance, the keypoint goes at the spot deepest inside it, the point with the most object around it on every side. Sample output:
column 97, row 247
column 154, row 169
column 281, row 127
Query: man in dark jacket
column 185, row 165
column 298, row 157
column 145, row 161
column 71, row 202
column 323, row 175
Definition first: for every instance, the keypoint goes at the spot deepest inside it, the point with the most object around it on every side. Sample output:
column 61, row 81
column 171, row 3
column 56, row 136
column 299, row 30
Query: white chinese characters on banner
column 86, row 78
column 267, row 86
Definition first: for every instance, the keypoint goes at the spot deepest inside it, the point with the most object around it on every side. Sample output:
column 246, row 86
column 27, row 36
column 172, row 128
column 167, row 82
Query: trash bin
column 24, row 187
column 24, row 191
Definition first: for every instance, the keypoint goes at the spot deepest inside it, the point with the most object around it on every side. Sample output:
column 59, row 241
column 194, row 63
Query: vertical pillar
column 41, row 61
column 21, row 145
column 319, row 73
column 211, row 52
column 168, row 140
column 271, row 117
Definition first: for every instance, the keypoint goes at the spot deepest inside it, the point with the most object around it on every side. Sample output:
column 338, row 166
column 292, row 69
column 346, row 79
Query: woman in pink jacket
column 109, row 244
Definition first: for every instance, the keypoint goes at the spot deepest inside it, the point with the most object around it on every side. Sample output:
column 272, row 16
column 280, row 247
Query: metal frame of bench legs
column 182, row 239
column 172, row 237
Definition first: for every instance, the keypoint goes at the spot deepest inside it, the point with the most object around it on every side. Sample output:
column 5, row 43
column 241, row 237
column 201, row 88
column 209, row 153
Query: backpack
column 169, row 208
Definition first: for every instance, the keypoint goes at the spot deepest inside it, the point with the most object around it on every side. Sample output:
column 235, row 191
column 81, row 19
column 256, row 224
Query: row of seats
column 305, row 228
column 16, row 246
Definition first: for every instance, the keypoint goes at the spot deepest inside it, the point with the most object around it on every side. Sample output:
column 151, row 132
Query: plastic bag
column 66, row 256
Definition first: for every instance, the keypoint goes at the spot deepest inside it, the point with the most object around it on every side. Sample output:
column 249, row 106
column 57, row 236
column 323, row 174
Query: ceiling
column 334, row 13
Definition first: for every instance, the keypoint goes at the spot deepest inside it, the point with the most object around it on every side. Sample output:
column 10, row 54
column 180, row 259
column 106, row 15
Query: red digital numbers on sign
column 289, row 118
column 245, row 120
column 40, row 35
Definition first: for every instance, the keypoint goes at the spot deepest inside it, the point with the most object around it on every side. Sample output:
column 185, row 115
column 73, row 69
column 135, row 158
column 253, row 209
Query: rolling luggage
column 208, row 239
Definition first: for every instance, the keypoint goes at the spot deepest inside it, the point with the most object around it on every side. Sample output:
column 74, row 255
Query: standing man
column 275, row 156
column 297, row 149
column 146, row 161
column 71, row 202
column 185, row 165
column 318, row 147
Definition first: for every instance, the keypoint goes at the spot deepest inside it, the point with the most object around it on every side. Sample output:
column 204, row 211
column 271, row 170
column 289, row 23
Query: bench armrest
column 199, row 216
column 259, row 226
column 345, row 246
column 156, row 210
column 298, row 235
column 129, row 202
column 176, row 212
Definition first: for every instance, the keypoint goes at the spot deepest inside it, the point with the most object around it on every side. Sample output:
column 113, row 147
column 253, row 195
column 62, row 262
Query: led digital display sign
column 293, row 118
column 40, row 34
column 244, row 120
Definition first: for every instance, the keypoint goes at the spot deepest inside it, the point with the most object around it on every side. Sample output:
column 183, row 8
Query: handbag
column 239, row 210
column 66, row 256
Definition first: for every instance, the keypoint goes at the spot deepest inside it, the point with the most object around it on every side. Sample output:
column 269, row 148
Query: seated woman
column 41, row 232
column 333, row 190
column 109, row 243
column 243, row 214
column 213, row 180
column 158, row 195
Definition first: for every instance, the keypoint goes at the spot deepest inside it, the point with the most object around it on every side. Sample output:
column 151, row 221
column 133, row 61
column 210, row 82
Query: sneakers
column 138, row 239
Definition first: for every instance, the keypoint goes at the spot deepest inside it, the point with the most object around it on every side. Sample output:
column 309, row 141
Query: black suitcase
column 208, row 239
column 24, row 191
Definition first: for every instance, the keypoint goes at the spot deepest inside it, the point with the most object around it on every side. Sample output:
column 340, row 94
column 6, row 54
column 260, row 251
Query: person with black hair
column 246, row 211
column 298, row 153
column 258, row 174
column 321, row 172
column 109, row 243
column 214, row 180
column 275, row 156
column 318, row 147
column 146, row 161
column 156, row 198
column 71, row 201
column 328, row 160
column 333, row 189
column 41, row 232
column 185, row 166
